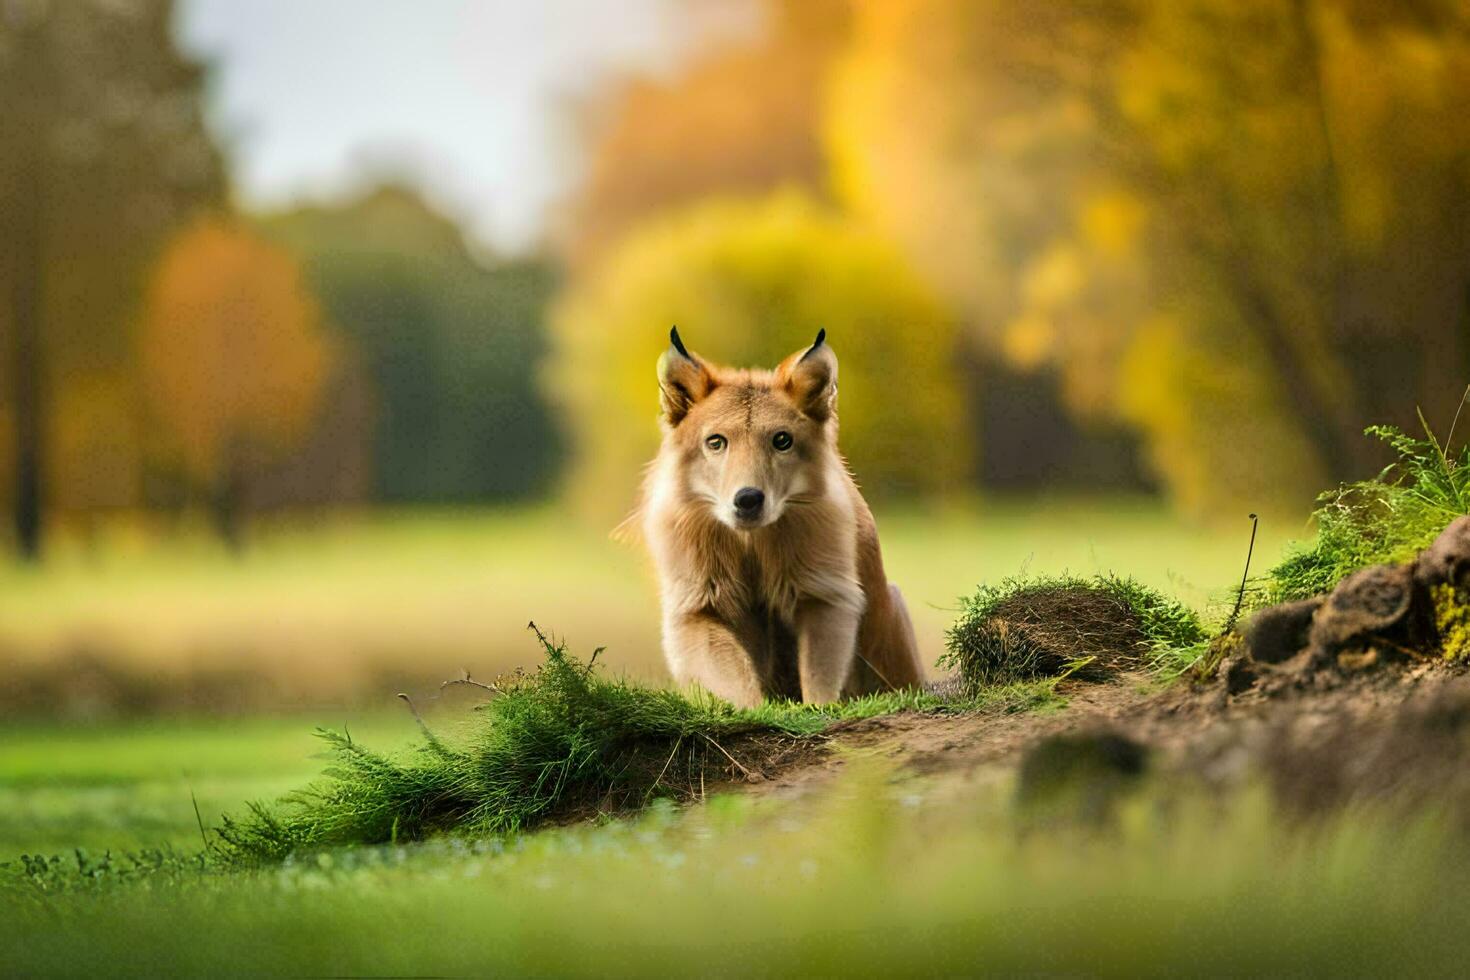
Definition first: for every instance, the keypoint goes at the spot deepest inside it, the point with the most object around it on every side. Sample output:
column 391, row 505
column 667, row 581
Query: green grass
column 1390, row 518
column 561, row 740
column 124, row 786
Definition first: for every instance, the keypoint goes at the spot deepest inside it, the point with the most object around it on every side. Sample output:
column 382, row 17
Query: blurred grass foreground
column 870, row 879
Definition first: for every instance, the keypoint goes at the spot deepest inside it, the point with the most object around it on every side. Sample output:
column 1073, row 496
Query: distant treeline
column 164, row 352
column 1169, row 244
column 439, row 388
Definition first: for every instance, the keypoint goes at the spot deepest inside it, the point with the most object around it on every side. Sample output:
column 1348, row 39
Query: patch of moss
column 1452, row 619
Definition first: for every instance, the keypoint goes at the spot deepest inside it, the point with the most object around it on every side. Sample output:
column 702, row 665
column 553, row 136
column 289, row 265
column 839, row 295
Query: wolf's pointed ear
column 810, row 378
column 682, row 380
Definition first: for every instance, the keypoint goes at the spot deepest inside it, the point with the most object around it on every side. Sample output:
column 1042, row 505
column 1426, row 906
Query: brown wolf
column 771, row 578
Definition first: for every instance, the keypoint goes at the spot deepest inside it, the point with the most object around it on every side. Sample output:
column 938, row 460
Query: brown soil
column 1337, row 700
column 1325, row 739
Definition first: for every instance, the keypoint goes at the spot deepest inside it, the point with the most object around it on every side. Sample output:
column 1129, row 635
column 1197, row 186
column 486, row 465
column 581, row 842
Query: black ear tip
column 678, row 344
column 816, row 344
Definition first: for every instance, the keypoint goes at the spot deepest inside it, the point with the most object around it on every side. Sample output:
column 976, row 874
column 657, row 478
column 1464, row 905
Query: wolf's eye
column 715, row 443
column 782, row 441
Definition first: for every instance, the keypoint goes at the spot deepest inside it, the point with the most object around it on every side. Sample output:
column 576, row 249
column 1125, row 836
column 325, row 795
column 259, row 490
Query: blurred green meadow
column 131, row 785
column 349, row 610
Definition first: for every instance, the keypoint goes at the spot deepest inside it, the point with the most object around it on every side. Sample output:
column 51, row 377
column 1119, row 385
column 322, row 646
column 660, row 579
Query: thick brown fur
column 793, row 601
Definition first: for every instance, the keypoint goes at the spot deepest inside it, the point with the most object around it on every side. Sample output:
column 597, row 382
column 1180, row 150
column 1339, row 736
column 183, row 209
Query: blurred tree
column 102, row 152
column 1239, row 228
column 234, row 358
column 739, row 118
column 748, row 282
column 449, row 343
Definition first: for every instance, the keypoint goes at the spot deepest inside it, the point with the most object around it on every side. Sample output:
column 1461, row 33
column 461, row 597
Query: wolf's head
column 750, row 443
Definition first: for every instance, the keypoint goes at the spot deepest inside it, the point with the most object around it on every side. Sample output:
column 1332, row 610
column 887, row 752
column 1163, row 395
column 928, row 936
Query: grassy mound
column 1048, row 627
column 1388, row 519
column 562, row 741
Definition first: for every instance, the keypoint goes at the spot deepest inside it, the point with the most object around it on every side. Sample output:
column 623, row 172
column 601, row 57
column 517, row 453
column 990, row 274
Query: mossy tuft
column 1452, row 620
column 1025, row 628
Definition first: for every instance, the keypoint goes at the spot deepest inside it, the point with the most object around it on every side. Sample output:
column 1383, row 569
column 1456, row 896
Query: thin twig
column 1443, row 456
column 467, row 679
column 416, row 716
column 539, row 635
column 881, row 676
column 1244, row 578
column 203, row 835
column 667, row 762
column 749, row 775
column 1450, row 439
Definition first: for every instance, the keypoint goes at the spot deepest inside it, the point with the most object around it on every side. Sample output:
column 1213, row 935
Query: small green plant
column 560, row 741
column 55, row 874
column 1025, row 628
column 1387, row 519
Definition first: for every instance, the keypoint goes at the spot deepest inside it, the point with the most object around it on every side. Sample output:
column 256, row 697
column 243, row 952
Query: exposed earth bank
column 1318, row 743
column 1358, row 696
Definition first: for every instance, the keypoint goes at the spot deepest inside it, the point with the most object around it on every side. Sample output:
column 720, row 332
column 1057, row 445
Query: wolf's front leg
column 703, row 650
column 826, row 642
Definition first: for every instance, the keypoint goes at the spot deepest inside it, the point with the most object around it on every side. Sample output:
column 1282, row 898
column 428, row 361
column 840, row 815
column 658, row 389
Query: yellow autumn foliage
column 747, row 282
column 1236, row 228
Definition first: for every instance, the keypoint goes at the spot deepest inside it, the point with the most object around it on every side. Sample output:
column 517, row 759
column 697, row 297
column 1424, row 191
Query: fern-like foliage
column 563, row 740
column 1389, row 518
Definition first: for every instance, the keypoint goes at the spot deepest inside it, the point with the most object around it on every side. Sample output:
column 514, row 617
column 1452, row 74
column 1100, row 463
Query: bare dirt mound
column 1341, row 739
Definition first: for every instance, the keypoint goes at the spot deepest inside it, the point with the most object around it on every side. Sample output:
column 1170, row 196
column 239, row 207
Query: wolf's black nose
column 748, row 501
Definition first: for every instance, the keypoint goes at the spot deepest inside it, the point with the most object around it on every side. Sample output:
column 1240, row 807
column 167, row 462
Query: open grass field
column 349, row 611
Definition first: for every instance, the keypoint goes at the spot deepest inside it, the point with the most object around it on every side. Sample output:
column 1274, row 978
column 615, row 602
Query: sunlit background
column 329, row 327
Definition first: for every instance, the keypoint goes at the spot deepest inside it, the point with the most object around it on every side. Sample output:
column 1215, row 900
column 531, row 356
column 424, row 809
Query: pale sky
column 466, row 94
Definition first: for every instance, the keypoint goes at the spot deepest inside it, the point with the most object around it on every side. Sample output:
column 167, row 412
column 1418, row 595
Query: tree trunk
column 228, row 504
column 27, row 356
column 28, row 428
